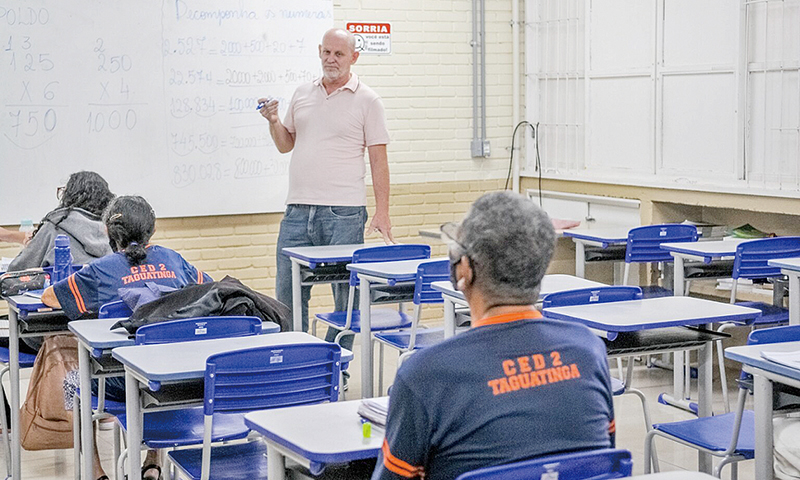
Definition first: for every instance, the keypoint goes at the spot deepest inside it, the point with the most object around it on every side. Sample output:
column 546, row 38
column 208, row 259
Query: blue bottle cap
column 62, row 241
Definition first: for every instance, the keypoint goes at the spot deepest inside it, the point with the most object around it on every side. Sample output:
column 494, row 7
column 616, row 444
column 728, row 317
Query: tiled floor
column 630, row 429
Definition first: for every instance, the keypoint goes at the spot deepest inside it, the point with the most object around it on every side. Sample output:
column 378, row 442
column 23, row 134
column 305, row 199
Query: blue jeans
column 313, row 225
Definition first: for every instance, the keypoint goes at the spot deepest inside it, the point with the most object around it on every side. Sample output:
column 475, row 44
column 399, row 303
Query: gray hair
column 510, row 242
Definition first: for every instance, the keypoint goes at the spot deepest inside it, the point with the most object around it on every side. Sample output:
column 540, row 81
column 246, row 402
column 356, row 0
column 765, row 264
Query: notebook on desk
column 789, row 359
column 375, row 410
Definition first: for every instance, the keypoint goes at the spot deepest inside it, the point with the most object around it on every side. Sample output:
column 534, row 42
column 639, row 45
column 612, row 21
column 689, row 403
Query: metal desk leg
column 763, row 424
column 704, row 378
column 364, row 306
column 449, row 318
column 13, row 361
column 794, row 298
column 580, row 259
column 678, row 277
column 297, row 298
column 133, row 409
column 276, row 463
column 678, row 371
column 679, row 359
column 87, row 433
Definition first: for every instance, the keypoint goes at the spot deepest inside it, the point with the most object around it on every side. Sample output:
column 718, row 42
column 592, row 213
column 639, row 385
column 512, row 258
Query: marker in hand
column 263, row 104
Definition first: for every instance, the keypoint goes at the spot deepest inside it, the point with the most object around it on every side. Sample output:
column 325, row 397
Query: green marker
column 366, row 429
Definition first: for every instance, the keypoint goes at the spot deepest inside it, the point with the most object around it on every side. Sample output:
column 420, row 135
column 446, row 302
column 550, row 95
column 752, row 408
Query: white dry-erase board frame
column 157, row 96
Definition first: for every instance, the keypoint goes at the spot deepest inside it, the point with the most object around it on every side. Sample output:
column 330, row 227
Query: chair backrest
column 584, row 465
column 617, row 293
column 752, row 256
column 200, row 328
column 427, row 273
column 272, row 377
column 388, row 253
column 786, row 333
column 118, row 309
column 644, row 243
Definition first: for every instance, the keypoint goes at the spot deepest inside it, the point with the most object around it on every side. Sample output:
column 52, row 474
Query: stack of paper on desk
column 790, row 359
column 375, row 410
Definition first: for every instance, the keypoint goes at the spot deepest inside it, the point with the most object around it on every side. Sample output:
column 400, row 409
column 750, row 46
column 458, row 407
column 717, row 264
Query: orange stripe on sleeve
column 395, row 465
column 199, row 277
column 73, row 287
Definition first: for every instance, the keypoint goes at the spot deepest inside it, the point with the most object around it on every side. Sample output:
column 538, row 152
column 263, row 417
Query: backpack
column 45, row 423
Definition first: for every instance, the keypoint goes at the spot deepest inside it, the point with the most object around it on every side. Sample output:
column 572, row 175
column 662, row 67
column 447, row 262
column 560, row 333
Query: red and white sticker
column 372, row 38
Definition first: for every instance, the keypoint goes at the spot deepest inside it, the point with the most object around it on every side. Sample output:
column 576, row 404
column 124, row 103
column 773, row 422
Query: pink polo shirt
column 331, row 134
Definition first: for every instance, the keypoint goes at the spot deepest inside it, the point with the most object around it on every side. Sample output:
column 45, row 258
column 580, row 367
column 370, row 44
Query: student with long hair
column 130, row 222
column 81, row 203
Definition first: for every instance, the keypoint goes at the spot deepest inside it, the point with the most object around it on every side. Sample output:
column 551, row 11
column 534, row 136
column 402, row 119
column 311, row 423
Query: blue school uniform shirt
column 98, row 282
column 513, row 388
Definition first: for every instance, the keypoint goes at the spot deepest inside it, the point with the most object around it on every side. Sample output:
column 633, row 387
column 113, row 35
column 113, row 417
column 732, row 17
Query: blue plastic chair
column 406, row 341
column 751, row 262
column 349, row 321
column 117, row 309
column 731, row 435
column 644, row 246
column 175, row 428
column 583, row 465
column 200, row 328
column 247, row 380
column 584, row 296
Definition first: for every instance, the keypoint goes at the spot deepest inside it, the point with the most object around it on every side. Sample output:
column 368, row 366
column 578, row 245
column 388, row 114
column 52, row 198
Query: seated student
column 130, row 222
column 81, row 202
column 513, row 387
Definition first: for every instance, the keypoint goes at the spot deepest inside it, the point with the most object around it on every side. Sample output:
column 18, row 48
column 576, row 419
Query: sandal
column 151, row 466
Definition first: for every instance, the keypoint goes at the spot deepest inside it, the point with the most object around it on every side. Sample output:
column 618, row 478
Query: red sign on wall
column 372, row 38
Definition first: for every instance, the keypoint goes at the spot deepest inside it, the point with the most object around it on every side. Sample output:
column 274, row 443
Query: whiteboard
column 159, row 97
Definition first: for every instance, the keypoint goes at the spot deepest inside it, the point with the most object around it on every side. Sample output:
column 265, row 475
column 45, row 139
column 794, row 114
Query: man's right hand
column 269, row 110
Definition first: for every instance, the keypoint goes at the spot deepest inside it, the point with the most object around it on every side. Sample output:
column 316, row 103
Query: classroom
column 607, row 115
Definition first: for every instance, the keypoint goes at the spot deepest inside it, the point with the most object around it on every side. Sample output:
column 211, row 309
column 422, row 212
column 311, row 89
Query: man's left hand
column 382, row 224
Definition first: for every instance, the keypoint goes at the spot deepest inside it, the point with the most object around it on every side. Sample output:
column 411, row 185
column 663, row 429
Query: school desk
column 170, row 375
column 314, row 436
column 636, row 317
column 765, row 373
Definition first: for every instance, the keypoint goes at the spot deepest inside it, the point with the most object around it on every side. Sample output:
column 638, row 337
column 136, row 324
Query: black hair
column 130, row 221
column 85, row 190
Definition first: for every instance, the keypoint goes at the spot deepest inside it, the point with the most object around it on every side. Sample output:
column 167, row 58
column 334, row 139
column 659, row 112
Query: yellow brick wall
column 426, row 85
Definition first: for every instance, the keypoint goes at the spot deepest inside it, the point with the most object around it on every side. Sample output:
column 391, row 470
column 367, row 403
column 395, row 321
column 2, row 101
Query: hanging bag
column 45, row 423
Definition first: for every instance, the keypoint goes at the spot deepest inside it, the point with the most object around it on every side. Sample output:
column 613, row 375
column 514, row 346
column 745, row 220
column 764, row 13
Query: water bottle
column 26, row 226
column 63, row 261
